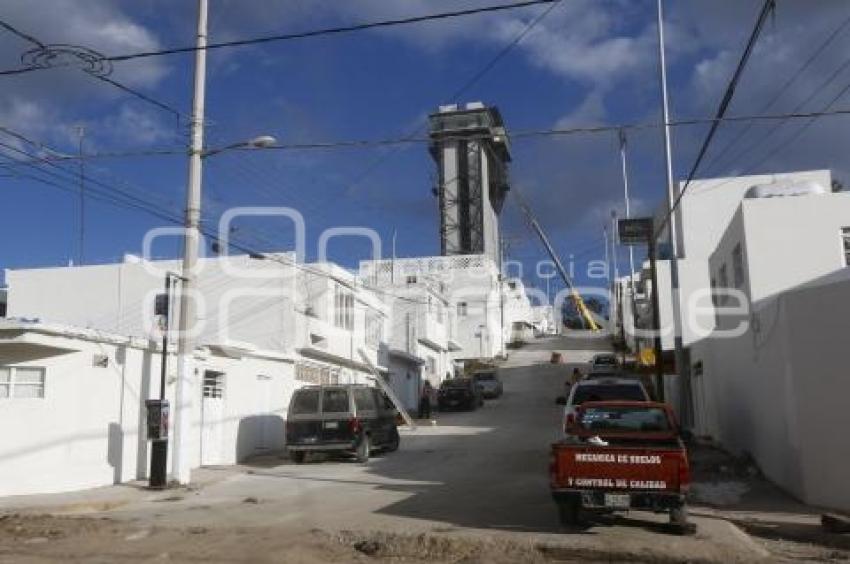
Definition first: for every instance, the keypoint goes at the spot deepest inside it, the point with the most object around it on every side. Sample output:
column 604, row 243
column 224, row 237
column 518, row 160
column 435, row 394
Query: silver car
column 488, row 381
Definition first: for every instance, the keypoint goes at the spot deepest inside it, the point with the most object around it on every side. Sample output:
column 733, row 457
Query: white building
column 265, row 328
column 543, row 319
column 421, row 337
column 318, row 313
column 471, row 287
column 72, row 402
column 703, row 215
column 771, row 379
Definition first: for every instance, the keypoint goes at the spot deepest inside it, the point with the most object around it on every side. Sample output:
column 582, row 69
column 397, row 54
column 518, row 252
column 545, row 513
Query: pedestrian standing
column 425, row 401
column 576, row 376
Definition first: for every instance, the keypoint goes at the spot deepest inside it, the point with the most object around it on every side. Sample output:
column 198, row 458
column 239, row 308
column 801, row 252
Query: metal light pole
column 623, row 161
column 185, row 342
column 672, row 229
column 81, row 133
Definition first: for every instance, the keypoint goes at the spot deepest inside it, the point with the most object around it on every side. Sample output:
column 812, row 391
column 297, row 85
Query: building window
column 411, row 279
column 431, row 366
column 845, row 238
column 374, row 329
column 343, row 308
column 722, row 284
column 738, row 266
column 213, row 384
column 461, row 309
column 21, row 382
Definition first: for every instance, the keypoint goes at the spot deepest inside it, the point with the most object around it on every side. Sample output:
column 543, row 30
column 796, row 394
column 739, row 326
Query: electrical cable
column 304, row 34
column 767, row 8
column 784, row 88
column 46, row 54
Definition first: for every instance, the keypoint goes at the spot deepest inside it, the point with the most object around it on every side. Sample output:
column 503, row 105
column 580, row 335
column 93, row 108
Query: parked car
column 629, row 455
column 461, row 393
column 604, row 363
column 354, row 419
column 599, row 389
column 491, row 385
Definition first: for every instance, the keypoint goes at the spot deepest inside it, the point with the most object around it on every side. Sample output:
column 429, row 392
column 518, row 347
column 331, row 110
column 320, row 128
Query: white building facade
column 470, row 284
column 265, row 328
column 769, row 373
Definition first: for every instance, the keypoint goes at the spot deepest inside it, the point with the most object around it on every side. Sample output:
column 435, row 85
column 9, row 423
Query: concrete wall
column 779, row 390
column 238, row 295
column 85, row 431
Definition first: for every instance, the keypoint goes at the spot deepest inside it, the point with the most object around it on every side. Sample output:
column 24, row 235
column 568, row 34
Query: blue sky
column 588, row 62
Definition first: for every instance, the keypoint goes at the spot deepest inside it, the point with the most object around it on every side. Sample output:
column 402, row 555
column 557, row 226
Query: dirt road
column 472, row 488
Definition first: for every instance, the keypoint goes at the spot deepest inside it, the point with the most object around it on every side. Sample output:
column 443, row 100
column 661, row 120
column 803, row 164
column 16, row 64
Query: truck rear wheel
column 569, row 512
column 679, row 521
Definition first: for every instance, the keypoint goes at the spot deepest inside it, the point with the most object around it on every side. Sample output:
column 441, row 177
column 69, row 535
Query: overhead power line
column 517, row 135
column 767, row 8
column 784, row 88
column 93, row 69
column 300, row 35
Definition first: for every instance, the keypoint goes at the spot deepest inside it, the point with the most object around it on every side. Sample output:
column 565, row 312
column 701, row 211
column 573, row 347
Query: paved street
column 474, row 476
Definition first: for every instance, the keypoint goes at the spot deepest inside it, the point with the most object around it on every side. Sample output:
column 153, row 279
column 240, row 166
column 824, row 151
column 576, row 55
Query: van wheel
column 298, row 456
column 569, row 512
column 395, row 441
column 362, row 452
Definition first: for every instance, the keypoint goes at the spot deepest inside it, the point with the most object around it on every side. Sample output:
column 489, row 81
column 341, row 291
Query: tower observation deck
column 471, row 149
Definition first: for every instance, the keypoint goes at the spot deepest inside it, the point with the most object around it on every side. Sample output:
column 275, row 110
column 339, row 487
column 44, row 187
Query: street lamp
column 258, row 142
column 185, row 346
column 191, row 241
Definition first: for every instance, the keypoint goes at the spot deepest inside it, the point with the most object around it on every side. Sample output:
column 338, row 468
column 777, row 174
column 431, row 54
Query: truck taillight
column 570, row 423
column 354, row 424
column 553, row 468
column 684, row 472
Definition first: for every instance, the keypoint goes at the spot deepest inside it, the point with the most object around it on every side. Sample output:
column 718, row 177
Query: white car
column 600, row 389
column 604, row 363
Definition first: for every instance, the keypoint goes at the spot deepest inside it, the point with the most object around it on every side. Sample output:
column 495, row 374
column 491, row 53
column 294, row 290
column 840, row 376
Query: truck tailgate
column 626, row 468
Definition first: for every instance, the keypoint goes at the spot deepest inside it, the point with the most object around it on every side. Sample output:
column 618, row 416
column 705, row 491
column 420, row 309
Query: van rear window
column 306, row 401
column 364, row 399
column 335, row 400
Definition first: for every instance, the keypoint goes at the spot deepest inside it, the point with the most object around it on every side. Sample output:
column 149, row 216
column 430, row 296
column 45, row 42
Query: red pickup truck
column 621, row 455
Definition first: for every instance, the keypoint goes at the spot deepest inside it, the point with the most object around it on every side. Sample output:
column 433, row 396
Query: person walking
column 425, row 401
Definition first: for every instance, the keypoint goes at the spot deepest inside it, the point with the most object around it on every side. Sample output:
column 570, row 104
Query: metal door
column 212, row 416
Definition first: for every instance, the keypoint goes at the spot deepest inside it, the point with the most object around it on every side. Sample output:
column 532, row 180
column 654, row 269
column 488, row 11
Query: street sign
column 636, row 231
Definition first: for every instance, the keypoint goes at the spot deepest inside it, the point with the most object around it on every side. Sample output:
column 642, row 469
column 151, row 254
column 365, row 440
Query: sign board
column 158, row 412
column 636, row 231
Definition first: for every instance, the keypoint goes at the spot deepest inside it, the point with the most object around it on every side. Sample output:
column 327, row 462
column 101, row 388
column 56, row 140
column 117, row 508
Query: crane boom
column 581, row 307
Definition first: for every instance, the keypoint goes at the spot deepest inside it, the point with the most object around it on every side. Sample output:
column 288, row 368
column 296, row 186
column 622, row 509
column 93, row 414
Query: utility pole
column 502, row 244
column 622, row 136
column 158, row 477
column 656, row 324
column 392, row 264
column 191, row 241
column 81, row 132
column 672, row 228
column 621, row 319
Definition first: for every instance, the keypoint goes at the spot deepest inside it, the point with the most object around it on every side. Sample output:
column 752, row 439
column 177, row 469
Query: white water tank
column 781, row 189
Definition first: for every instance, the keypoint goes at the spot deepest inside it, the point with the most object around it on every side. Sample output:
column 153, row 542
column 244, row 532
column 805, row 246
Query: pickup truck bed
column 617, row 473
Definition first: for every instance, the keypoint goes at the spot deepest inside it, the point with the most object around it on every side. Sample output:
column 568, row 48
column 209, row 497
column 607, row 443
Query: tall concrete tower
column 470, row 146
